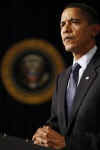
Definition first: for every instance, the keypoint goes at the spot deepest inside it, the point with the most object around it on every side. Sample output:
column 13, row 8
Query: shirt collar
column 85, row 59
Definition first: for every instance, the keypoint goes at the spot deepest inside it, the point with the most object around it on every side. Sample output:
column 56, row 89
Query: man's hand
column 48, row 137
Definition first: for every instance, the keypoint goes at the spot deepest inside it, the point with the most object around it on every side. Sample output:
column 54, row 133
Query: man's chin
column 69, row 48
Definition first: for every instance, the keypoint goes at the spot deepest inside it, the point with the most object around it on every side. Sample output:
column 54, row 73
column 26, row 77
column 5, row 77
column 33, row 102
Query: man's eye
column 62, row 24
column 75, row 22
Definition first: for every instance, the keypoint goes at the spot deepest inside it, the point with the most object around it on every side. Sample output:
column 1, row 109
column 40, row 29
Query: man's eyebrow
column 71, row 19
column 76, row 19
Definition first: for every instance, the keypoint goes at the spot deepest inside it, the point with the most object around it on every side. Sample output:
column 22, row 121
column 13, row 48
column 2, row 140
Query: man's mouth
column 68, row 38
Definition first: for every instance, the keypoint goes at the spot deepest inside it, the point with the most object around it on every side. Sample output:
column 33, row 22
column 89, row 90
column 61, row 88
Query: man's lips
column 68, row 38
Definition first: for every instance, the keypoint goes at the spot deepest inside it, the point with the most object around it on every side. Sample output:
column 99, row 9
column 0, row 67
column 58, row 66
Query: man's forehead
column 69, row 13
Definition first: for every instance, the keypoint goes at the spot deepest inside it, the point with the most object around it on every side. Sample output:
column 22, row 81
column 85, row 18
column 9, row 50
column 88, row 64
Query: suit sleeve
column 84, row 141
column 53, row 121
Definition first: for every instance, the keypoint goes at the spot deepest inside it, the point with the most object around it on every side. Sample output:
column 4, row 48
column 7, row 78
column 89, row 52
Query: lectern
column 15, row 143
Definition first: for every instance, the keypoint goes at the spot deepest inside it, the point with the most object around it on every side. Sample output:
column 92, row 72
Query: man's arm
column 49, row 135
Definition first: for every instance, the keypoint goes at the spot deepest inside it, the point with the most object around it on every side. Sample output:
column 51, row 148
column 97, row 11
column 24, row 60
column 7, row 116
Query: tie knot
column 75, row 72
column 76, row 67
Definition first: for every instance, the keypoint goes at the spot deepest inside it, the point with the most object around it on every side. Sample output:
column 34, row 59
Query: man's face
column 76, row 33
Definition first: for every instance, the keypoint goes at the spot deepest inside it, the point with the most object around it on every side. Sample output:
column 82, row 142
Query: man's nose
column 67, row 27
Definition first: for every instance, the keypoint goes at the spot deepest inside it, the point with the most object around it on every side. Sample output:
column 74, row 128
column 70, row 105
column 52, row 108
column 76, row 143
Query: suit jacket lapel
column 86, row 81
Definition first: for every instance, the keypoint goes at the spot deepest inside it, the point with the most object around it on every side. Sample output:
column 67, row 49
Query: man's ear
column 96, row 30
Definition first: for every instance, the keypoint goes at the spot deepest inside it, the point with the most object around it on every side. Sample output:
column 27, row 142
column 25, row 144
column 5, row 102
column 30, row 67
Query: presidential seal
column 29, row 69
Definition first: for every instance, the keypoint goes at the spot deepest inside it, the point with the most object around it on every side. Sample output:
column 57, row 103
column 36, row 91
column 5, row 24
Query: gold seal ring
column 24, row 51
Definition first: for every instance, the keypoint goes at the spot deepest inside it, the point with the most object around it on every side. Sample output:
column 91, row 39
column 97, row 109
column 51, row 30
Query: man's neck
column 83, row 52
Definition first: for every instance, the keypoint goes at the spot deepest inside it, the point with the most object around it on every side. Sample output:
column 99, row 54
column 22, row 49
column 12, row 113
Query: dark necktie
column 72, row 85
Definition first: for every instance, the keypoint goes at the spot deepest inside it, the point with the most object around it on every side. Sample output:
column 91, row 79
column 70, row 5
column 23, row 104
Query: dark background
column 19, row 20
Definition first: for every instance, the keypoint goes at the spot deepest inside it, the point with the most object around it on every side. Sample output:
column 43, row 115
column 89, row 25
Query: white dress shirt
column 84, row 61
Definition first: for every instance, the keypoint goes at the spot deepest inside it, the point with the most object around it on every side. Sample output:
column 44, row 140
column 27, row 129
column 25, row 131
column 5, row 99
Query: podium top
column 14, row 143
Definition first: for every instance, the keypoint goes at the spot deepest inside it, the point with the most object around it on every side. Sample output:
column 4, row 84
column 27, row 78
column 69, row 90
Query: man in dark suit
column 75, row 122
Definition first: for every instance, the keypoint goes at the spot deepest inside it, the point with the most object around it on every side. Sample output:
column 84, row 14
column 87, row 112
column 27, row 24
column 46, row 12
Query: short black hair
column 88, row 11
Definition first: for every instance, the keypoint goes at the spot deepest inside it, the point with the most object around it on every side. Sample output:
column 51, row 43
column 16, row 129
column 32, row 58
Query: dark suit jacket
column 82, row 131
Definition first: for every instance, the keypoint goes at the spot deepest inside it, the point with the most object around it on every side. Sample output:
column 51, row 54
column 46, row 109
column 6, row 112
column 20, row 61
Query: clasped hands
column 48, row 137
